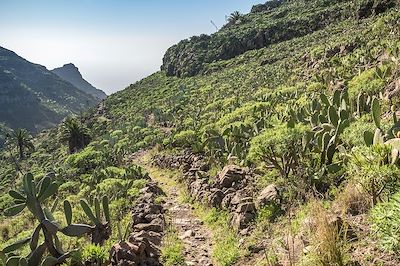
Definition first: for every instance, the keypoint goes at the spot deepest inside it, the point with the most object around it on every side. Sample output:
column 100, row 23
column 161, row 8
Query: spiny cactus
column 33, row 197
column 391, row 138
column 329, row 119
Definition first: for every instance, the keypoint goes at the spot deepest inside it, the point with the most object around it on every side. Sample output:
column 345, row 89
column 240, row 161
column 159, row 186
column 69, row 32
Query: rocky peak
column 69, row 72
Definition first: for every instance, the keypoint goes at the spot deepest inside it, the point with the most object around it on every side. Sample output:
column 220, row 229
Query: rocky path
column 194, row 235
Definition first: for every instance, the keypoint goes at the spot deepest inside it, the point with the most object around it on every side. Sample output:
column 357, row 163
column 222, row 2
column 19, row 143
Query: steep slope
column 34, row 98
column 273, row 22
column 70, row 73
column 284, row 150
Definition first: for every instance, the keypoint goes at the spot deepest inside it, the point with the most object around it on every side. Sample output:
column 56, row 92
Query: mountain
column 33, row 97
column 70, row 73
column 275, row 141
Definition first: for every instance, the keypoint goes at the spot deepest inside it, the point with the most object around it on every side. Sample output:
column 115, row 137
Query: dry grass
column 352, row 200
column 327, row 239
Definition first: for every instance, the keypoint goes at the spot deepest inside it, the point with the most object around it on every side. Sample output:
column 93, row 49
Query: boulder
column 226, row 201
column 246, row 207
column 238, row 197
column 231, row 174
column 270, row 194
column 125, row 253
column 241, row 220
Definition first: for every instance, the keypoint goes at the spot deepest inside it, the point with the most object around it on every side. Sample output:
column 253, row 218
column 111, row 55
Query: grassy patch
column 225, row 243
column 172, row 249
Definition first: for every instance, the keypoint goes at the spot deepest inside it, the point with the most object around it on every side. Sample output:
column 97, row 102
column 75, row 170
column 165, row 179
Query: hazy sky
column 113, row 42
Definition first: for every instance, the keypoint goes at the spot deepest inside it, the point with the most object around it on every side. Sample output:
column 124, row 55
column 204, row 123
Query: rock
column 148, row 227
column 244, row 232
column 152, row 188
column 226, row 201
column 150, row 217
column 215, row 198
column 246, row 207
column 241, row 220
column 125, row 253
column 238, row 197
column 231, row 174
column 152, row 237
column 187, row 234
column 270, row 194
column 196, row 186
column 229, row 190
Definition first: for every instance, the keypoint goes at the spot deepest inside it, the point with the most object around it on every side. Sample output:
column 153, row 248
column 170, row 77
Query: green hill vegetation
column 304, row 93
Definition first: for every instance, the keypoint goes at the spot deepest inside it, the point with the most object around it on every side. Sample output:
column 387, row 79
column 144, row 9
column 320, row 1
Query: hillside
column 70, row 73
column 34, row 98
column 274, row 141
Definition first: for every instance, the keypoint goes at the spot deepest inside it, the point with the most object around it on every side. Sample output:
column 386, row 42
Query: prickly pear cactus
column 33, row 197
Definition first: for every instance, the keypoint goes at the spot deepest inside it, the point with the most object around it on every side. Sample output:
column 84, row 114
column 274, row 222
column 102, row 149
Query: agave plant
column 33, row 197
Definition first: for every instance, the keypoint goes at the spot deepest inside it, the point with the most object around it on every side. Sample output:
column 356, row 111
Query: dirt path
column 194, row 235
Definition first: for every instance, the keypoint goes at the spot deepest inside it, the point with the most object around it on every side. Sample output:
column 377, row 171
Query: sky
column 113, row 42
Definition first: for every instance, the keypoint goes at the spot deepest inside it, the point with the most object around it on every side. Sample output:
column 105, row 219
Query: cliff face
column 70, row 73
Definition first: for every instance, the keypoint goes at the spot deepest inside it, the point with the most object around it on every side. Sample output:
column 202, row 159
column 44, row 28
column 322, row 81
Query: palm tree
column 23, row 140
column 75, row 134
column 234, row 17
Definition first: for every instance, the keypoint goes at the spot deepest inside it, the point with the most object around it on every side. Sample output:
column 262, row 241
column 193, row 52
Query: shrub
column 94, row 255
column 186, row 139
column 367, row 82
column 353, row 199
column 385, row 218
column 353, row 135
column 368, row 167
column 280, row 147
column 85, row 160
column 328, row 240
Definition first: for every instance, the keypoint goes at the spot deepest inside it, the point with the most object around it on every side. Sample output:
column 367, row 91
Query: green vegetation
column 75, row 134
column 172, row 249
column 22, row 140
column 311, row 108
column 225, row 243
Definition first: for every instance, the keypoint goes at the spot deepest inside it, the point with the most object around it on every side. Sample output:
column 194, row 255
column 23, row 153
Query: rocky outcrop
column 142, row 247
column 70, row 73
column 268, row 6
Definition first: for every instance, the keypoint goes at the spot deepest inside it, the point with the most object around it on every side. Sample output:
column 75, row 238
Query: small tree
column 75, row 134
column 234, row 18
column 23, row 141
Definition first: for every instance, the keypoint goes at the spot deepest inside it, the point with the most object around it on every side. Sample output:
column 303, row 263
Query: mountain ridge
column 34, row 98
